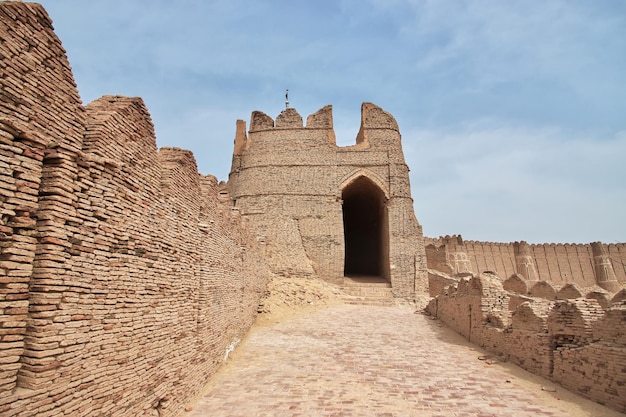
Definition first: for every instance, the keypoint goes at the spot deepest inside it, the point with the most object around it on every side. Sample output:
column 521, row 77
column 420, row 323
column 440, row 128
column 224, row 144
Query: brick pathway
column 366, row 361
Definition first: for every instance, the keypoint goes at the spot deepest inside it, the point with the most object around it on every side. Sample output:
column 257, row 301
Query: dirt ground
column 293, row 296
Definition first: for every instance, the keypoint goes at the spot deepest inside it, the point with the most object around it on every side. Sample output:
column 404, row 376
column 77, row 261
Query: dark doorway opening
column 365, row 228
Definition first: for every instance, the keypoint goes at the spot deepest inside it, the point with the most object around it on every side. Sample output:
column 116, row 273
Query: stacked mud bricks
column 126, row 276
column 573, row 333
column 123, row 278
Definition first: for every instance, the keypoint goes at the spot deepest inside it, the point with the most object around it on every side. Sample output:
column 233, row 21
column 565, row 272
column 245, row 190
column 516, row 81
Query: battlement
column 287, row 141
column 105, row 239
column 587, row 265
column 372, row 117
column 120, row 263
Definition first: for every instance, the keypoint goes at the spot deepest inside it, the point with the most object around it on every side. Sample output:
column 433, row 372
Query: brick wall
column 123, row 279
column 576, row 343
column 558, row 264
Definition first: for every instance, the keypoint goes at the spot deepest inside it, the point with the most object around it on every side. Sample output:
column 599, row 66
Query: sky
column 512, row 114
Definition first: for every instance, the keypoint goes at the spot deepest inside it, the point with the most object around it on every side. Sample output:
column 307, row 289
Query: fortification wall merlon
column 241, row 139
column 120, row 130
column 260, row 121
column 288, row 119
column 373, row 117
column 38, row 90
column 576, row 343
column 321, row 119
column 180, row 181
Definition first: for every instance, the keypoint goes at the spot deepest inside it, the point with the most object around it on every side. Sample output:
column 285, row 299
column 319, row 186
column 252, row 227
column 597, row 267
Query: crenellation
column 289, row 119
column 600, row 295
column 574, row 342
column 241, row 141
column 115, row 280
column 321, row 119
column 292, row 184
column 373, row 117
column 516, row 283
column 543, row 289
column 260, row 121
column 569, row 291
column 558, row 264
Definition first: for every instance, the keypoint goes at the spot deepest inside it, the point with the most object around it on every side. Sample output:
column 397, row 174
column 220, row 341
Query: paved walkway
column 370, row 361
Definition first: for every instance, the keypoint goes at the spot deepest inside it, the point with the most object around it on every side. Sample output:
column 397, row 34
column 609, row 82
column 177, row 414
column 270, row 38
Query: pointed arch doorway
column 366, row 230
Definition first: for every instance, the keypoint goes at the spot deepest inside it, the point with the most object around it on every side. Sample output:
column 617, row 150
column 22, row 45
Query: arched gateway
column 366, row 230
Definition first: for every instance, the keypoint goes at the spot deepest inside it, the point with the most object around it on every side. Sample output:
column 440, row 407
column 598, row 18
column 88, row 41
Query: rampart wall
column 123, row 279
column 558, row 264
column 575, row 341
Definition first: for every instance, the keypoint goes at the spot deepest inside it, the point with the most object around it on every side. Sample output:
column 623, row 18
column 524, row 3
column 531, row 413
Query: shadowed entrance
column 365, row 229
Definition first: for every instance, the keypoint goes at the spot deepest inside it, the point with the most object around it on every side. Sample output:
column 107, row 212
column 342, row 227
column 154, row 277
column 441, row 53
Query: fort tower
column 325, row 210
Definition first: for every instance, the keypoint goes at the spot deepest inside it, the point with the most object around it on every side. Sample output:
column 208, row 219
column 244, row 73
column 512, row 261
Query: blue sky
column 512, row 114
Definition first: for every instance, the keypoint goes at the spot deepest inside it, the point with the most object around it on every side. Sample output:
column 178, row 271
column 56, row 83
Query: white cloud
column 509, row 110
column 507, row 183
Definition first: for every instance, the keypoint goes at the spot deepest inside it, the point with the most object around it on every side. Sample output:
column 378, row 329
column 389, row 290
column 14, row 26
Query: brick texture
column 124, row 278
column 577, row 343
column 288, row 180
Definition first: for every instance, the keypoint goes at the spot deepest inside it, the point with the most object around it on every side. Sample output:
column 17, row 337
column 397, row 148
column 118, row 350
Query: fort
column 304, row 194
column 126, row 276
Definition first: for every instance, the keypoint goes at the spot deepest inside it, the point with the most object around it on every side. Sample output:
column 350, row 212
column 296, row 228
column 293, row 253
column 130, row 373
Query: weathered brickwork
column 587, row 265
column 295, row 185
column 575, row 342
column 126, row 277
column 123, row 278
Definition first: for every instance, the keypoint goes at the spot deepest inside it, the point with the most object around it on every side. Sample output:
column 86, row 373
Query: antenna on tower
column 287, row 99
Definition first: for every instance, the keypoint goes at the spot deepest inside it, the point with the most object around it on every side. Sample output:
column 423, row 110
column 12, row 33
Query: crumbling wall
column 596, row 368
column 124, row 280
column 41, row 116
column 574, row 342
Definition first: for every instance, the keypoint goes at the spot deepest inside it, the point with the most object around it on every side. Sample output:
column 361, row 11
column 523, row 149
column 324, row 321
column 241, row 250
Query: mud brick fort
column 126, row 276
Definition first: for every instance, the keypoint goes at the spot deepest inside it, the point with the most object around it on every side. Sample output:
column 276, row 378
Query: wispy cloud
column 512, row 113
column 542, row 185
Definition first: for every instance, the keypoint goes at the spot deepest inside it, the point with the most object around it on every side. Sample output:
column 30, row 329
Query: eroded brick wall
column 123, row 280
column 576, row 343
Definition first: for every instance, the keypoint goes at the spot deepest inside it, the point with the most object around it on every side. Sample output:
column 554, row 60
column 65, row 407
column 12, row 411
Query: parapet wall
column 558, row 264
column 576, row 342
column 123, row 278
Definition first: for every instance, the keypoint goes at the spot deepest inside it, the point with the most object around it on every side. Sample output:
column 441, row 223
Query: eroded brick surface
column 123, row 277
column 578, row 342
